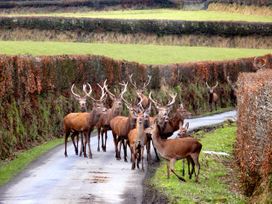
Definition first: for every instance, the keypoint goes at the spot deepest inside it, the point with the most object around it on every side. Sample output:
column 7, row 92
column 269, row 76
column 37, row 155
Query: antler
column 72, row 90
column 148, row 82
column 111, row 95
column 171, row 103
column 207, row 85
column 133, row 83
column 157, row 105
column 257, row 64
column 123, row 92
column 215, row 85
column 85, row 91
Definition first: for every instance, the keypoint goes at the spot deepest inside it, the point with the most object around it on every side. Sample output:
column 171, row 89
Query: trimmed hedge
column 244, row 2
column 159, row 27
column 254, row 137
column 35, row 91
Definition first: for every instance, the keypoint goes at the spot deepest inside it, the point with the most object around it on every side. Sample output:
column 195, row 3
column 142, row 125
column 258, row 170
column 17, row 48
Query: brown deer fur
column 121, row 126
column 176, row 149
column 105, row 118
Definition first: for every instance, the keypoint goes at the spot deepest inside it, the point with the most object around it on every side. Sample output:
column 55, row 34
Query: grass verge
column 158, row 14
column 8, row 169
column 146, row 54
column 217, row 179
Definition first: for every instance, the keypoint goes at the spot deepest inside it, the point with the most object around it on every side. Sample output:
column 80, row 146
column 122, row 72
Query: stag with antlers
column 84, row 122
column 103, row 124
column 233, row 93
column 140, row 91
column 213, row 96
column 259, row 63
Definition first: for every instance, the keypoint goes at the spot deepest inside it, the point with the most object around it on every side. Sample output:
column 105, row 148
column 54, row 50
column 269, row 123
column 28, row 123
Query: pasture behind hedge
column 35, row 91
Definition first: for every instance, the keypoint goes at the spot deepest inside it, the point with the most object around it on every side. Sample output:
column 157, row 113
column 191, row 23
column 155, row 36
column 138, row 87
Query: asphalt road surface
column 55, row 179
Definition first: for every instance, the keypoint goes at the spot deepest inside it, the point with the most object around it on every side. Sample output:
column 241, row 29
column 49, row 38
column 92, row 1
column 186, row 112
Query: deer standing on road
column 85, row 122
column 233, row 93
column 103, row 124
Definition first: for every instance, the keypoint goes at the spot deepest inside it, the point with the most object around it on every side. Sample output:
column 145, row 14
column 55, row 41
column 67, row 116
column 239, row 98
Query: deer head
column 232, row 85
column 259, row 63
column 183, row 129
column 98, row 104
column 117, row 100
column 163, row 111
column 211, row 89
column 82, row 100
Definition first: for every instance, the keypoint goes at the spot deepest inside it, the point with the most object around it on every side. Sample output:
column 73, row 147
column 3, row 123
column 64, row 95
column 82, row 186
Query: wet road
column 56, row 179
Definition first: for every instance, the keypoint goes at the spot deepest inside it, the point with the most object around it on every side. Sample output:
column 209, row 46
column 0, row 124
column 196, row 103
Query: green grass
column 9, row 169
column 169, row 14
column 146, row 54
column 213, row 174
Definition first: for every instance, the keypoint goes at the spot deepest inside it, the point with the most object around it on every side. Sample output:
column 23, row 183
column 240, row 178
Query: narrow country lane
column 55, row 179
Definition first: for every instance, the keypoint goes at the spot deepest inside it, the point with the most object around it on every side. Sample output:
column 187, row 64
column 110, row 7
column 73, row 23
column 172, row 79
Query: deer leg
column 89, row 145
column 82, row 144
column 65, row 143
column 77, row 143
column 148, row 157
column 132, row 157
column 125, row 149
column 196, row 162
column 142, row 156
column 168, row 169
column 85, row 144
column 172, row 166
column 183, row 171
column 156, row 153
column 73, row 140
column 119, row 143
column 106, row 137
column 98, row 138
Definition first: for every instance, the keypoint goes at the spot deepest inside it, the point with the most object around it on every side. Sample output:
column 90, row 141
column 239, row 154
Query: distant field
column 169, row 14
column 147, row 54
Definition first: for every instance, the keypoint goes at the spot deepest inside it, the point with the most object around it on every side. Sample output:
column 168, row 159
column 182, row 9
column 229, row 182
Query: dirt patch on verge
column 151, row 194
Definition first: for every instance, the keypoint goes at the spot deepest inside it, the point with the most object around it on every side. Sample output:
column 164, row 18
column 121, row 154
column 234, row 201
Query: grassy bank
column 159, row 14
column 217, row 177
column 9, row 169
column 146, row 54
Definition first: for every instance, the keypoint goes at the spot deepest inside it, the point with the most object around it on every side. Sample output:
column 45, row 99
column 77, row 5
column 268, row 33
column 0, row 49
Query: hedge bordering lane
column 158, row 27
column 254, row 137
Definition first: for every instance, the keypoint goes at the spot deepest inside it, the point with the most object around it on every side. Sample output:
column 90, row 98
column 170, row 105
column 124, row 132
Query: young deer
column 105, row 118
column 175, row 149
column 137, row 138
column 213, row 96
column 121, row 126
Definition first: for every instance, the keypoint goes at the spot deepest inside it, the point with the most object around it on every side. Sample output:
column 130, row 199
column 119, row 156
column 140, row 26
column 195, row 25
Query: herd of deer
column 138, row 129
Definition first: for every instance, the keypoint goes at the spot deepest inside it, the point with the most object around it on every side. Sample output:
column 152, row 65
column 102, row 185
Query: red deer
column 213, row 96
column 259, row 63
column 82, row 100
column 163, row 117
column 175, row 149
column 76, row 123
column 233, row 93
column 121, row 126
column 140, row 91
column 105, row 118
column 137, row 138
